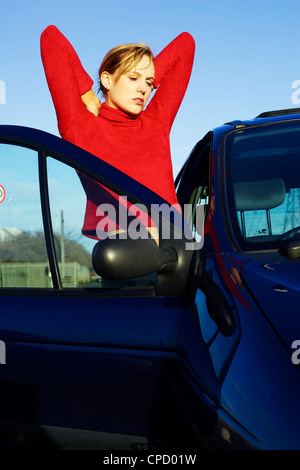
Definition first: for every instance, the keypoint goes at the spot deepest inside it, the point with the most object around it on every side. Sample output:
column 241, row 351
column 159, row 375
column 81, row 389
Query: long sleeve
column 67, row 79
column 172, row 74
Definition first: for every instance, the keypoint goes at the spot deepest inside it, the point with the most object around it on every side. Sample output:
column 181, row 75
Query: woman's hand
column 91, row 102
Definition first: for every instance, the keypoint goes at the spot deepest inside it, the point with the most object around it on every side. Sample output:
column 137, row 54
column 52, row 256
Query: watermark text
column 136, row 221
column 2, row 352
column 151, row 459
column 296, row 94
column 296, row 354
column 2, row 92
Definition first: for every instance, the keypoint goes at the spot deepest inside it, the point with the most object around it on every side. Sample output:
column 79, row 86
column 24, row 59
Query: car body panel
column 275, row 286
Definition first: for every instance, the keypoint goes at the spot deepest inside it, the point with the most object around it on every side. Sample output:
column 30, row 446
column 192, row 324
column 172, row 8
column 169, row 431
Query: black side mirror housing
column 117, row 259
column 126, row 258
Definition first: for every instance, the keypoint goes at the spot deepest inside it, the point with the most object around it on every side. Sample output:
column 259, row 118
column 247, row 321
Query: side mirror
column 291, row 249
column 117, row 258
column 217, row 305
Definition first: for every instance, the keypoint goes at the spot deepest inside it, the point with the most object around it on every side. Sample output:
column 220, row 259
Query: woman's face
column 131, row 91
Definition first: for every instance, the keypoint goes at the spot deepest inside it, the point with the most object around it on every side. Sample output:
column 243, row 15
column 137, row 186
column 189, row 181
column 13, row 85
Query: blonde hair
column 122, row 58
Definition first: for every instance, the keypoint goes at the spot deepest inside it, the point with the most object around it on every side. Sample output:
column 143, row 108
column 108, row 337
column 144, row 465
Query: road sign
column 2, row 193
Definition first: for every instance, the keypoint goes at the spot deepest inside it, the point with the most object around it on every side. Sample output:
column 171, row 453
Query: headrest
column 256, row 195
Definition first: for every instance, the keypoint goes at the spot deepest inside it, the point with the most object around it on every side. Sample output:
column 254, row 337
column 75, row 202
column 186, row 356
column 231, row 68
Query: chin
column 133, row 113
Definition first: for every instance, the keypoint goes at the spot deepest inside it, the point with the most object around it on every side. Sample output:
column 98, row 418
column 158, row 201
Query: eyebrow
column 137, row 73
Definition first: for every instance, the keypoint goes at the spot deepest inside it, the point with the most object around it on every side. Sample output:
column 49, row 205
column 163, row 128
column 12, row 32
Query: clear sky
column 247, row 55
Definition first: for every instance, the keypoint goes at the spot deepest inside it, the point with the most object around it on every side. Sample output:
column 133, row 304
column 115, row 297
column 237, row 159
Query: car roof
column 263, row 118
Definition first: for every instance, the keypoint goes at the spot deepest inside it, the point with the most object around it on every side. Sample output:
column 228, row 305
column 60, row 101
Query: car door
column 89, row 362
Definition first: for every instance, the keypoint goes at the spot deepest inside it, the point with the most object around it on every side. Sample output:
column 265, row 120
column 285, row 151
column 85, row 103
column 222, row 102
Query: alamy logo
column 2, row 92
column 296, row 93
column 133, row 222
column 2, row 352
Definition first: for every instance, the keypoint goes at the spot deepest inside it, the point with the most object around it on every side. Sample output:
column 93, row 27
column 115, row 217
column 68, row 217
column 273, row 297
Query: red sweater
column 138, row 146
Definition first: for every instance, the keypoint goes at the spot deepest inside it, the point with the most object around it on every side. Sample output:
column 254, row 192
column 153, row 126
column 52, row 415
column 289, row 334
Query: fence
column 38, row 274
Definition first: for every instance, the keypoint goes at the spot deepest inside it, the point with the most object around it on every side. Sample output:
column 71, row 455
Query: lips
column 139, row 101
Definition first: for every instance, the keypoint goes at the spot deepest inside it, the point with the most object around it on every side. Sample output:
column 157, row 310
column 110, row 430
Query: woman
column 119, row 131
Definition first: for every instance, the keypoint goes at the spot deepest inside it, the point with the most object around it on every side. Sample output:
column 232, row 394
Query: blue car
column 187, row 337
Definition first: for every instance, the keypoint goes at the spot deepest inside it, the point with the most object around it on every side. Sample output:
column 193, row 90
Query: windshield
column 263, row 184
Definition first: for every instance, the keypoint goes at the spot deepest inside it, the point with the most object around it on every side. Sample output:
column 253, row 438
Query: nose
column 142, row 88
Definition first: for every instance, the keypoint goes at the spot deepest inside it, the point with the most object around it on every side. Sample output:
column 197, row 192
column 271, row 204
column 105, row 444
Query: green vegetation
column 30, row 248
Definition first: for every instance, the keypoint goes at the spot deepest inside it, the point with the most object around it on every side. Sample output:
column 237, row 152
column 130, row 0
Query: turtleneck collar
column 116, row 114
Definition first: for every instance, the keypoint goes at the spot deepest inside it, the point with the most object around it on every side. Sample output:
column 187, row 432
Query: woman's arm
column 172, row 74
column 67, row 79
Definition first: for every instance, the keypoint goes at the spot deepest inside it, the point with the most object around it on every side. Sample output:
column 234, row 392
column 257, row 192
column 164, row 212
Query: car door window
column 24, row 260
column 82, row 213
column 23, row 255
column 67, row 206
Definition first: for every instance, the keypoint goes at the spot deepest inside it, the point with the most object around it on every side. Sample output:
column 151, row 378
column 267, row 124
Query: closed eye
column 134, row 78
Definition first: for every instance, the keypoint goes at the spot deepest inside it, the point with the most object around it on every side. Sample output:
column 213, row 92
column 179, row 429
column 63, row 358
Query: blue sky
column 247, row 55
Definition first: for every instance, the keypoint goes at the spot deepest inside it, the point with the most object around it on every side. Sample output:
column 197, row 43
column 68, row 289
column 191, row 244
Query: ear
column 106, row 79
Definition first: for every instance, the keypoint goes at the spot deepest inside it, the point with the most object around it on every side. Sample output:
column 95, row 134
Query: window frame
column 188, row 178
